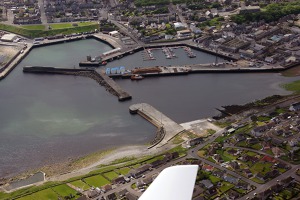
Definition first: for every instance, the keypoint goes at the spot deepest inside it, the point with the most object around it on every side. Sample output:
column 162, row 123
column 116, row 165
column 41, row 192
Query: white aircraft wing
column 173, row 183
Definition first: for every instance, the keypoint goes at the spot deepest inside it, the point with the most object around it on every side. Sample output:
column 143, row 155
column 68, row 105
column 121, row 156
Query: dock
column 167, row 128
column 101, row 78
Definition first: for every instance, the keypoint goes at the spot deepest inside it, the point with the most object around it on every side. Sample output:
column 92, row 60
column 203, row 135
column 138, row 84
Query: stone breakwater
column 110, row 85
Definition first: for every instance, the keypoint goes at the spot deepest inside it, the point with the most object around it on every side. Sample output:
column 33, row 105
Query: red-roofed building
column 268, row 159
column 207, row 168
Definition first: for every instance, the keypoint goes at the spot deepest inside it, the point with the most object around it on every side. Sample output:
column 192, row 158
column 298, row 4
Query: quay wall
column 14, row 62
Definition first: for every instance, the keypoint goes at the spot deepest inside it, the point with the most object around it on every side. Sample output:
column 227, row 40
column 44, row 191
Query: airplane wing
column 173, row 183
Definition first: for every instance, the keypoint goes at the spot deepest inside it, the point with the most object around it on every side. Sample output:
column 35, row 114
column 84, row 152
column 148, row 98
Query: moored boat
column 136, row 77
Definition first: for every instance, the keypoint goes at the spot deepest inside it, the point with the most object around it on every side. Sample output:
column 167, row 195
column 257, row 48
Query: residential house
column 82, row 198
column 112, row 196
column 218, row 173
column 207, row 183
column 286, row 182
column 119, row 180
column 243, row 185
column 217, row 158
column 211, row 191
column 231, row 179
column 147, row 181
column 232, row 151
column 234, row 165
column 232, row 194
column 158, row 163
column 277, row 152
column 170, row 156
column 140, row 184
column 268, row 159
column 197, row 190
column 265, row 194
column 272, row 174
column 276, row 142
column 93, row 193
column 251, row 141
column 295, row 106
column 259, row 130
column 247, row 173
column 293, row 142
column 207, row 168
column 106, row 188
column 239, row 137
column 122, row 193
column 261, row 177
column 136, row 173
column 130, row 196
column 246, row 158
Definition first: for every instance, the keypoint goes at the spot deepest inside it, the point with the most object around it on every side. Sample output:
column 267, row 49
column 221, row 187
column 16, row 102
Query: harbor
column 167, row 128
column 55, row 114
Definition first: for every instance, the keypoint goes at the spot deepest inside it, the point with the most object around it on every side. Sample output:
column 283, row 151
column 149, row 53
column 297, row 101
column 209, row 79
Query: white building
column 8, row 37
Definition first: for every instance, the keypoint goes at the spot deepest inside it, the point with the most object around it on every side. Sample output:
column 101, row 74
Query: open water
column 50, row 118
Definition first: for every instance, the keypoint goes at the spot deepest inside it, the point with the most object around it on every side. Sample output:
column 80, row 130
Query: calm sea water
column 49, row 118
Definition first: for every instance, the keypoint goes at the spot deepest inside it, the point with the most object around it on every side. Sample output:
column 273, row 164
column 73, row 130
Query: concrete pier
column 167, row 128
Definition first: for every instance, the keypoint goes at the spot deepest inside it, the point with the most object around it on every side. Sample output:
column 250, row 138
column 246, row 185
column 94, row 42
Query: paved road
column 125, row 30
column 43, row 13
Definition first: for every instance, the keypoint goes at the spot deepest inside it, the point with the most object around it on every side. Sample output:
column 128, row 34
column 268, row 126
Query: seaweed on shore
column 235, row 109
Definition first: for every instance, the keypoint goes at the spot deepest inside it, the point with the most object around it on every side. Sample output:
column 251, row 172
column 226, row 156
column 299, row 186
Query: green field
column 44, row 194
column 80, row 184
column 31, row 32
column 70, row 25
column 225, row 187
column 124, row 170
column 214, row 179
column 34, row 27
column 293, row 86
column 96, row 181
column 64, row 190
column 111, row 175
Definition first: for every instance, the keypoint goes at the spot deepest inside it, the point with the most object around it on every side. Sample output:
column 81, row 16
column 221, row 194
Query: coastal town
column 251, row 153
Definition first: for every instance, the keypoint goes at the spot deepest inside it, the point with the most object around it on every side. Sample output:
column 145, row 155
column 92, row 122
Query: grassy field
column 96, row 181
column 80, row 184
column 70, row 25
column 44, row 194
column 124, row 170
column 111, row 175
column 225, row 187
column 33, row 33
column 34, row 27
column 293, row 86
column 261, row 167
column 214, row 179
column 64, row 190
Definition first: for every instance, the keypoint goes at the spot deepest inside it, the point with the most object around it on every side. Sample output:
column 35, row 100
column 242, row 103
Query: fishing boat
column 136, row 77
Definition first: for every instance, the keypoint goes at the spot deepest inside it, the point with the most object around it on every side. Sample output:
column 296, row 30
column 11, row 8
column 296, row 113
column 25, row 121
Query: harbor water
column 47, row 119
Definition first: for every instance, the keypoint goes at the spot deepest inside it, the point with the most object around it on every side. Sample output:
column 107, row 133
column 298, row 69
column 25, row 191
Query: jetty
column 101, row 78
column 167, row 128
